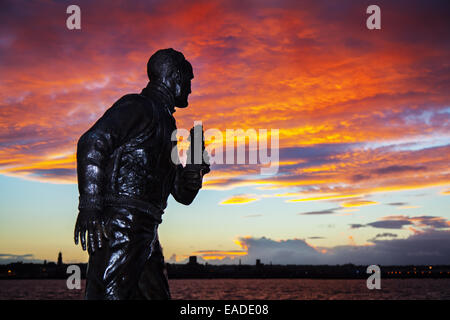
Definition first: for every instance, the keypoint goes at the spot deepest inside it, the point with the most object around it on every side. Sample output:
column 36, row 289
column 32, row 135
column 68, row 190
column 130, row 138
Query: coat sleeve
column 97, row 145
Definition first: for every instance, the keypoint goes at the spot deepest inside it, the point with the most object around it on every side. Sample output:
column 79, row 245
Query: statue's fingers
column 76, row 232
column 83, row 238
column 91, row 244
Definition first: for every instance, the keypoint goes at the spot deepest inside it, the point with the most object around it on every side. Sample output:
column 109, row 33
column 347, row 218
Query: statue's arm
column 188, row 181
column 93, row 150
column 186, row 185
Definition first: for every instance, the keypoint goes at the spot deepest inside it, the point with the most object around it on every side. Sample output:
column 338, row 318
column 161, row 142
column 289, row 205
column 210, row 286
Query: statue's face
column 183, row 90
column 183, row 86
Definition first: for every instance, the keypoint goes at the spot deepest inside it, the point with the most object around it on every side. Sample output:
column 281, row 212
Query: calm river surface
column 229, row 289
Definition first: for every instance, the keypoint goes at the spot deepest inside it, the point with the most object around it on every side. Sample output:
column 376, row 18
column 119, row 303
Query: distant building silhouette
column 60, row 262
column 192, row 260
column 258, row 262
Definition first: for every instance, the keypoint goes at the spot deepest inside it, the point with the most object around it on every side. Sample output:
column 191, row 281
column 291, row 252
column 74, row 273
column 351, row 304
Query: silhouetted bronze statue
column 125, row 175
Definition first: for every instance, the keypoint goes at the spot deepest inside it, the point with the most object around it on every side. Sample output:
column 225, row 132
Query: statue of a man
column 125, row 175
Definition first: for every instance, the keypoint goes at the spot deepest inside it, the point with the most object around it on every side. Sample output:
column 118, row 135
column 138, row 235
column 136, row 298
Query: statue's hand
column 89, row 221
column 193, row 176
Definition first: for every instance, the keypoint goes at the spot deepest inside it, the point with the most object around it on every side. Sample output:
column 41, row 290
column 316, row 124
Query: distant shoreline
column 51, row 270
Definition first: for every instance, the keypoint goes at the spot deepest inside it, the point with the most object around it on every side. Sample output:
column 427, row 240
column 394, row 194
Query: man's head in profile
column 170, row 68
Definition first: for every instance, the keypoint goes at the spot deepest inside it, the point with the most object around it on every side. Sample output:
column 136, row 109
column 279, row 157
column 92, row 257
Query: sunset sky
column 363, row 119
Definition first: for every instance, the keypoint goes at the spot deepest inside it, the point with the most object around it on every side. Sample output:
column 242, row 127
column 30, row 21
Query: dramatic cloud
column 358, row 111
column 398, row 222
column 397, row 168
column 292, row 251
column 432, row 222
column 331, row 176
column 389, row 224
column 430, row 247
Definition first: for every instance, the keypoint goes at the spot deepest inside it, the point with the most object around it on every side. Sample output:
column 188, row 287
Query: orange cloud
column 325, row 197
column 357, row 203
column 239, row 199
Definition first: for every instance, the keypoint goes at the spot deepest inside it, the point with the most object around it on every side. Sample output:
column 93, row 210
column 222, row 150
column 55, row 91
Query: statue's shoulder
column 132, row 103
column 133, row 98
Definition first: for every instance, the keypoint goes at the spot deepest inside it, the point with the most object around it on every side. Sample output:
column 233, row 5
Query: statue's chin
column 181, row 104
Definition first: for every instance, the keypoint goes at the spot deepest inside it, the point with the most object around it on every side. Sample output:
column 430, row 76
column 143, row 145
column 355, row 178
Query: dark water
column 229, row 289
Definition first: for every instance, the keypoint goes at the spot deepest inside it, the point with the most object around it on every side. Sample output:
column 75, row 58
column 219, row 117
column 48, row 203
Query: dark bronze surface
column 125, row 176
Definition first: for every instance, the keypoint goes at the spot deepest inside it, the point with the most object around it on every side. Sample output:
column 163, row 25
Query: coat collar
column 163, row 92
